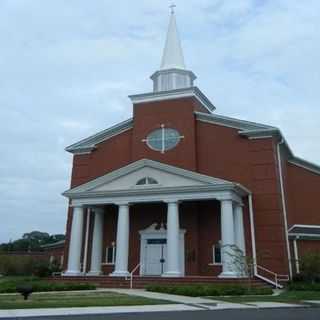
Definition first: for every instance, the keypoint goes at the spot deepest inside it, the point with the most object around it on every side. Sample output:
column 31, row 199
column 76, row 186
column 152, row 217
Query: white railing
column 276, row 276
column 139, row 265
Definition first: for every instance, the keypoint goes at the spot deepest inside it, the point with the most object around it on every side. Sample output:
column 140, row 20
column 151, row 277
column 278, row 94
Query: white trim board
column 194, row 92
column 88, row 144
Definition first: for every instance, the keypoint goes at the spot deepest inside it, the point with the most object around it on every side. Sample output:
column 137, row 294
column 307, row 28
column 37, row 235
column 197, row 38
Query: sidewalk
column 181, row 303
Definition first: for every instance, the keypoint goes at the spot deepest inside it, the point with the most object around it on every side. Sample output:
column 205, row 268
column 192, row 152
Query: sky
column 67, row 68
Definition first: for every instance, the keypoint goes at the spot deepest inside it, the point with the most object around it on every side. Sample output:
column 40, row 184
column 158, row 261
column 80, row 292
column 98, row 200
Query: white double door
column 155, row 257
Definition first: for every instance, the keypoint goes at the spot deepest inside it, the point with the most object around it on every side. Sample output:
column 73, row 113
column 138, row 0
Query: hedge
column 9, row 286
column 304, row 286
column 200, row 290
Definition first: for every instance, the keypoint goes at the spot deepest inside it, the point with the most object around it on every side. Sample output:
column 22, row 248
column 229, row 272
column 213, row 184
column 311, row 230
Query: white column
column 96, row 251
column 86, row 242
column 227, row 239
column 122, row 244
column 239, row 228
column 75, row 242
column 173, row 252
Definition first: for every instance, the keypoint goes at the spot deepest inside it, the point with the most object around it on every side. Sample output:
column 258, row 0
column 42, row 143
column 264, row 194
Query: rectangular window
column 111, row 255
column 216, row 254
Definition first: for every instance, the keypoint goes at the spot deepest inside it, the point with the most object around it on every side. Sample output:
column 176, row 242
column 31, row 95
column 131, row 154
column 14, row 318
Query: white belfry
column 173, row 73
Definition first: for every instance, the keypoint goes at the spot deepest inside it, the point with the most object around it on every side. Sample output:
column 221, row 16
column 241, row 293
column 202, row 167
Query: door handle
column 162, row 260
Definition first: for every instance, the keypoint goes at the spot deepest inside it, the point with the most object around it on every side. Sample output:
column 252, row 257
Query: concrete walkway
column 202, row 303
column 180, row 303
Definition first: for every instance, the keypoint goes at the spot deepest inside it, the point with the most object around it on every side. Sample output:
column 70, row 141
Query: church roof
column 88, row 144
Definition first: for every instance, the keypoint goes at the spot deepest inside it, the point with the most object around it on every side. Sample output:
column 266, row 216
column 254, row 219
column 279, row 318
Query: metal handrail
column 277, row 277
column 132, row 272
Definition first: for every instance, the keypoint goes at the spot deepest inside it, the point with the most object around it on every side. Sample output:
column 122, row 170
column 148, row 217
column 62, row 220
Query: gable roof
column 88, row 144
column 255, row 130
column 242, row 125
column 95, row 186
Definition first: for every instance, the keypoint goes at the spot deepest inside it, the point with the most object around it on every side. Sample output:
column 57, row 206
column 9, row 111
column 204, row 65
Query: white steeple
column 173, row 73
column 172, row 54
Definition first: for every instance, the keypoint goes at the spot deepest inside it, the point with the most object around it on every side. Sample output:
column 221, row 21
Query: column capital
column 173, row 201
column 97, row 209
column 122, row 203
column 79, row 206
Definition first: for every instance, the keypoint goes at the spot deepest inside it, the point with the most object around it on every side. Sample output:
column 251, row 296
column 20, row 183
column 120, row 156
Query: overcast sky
column 67, row 67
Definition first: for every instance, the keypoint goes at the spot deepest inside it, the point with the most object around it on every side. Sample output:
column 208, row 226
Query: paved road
column 262, row 314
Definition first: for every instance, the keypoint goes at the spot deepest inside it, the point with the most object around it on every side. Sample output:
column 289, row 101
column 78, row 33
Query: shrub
column 209, row 290
column 310, row 267
column 9, row 286
column 304, row 286
column 42, row 269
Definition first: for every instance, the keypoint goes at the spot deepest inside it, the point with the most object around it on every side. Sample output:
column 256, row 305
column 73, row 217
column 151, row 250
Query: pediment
column 127, row 178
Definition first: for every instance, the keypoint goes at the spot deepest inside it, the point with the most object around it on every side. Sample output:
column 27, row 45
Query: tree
column 31, row 241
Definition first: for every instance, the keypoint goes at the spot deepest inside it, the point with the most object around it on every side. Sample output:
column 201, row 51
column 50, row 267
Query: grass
column 72, row 299
column 285, row 297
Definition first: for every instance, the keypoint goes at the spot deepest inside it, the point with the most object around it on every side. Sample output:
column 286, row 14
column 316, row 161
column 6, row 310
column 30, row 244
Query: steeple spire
column 172, row 54
column 173, row 73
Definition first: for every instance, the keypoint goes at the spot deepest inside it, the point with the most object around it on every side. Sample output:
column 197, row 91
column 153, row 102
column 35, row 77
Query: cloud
column 67, row 68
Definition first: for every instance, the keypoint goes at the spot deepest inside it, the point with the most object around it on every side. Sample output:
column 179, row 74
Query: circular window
column 163, row 139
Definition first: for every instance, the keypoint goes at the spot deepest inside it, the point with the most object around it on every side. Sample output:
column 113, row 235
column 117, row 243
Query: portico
column 172, row 187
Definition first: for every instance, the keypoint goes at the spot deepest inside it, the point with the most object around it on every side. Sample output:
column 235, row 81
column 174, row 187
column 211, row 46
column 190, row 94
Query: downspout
column 253, row 236
column 284, row 206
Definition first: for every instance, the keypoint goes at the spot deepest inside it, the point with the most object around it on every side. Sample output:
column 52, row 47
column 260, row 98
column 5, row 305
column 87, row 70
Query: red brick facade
column 217, row 151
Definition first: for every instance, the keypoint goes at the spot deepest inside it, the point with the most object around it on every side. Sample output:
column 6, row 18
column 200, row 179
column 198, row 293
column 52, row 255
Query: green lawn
column 72, row 299
column 286, row 297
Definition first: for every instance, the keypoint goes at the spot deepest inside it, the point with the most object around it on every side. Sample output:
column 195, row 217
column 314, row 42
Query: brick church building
column 181, row 191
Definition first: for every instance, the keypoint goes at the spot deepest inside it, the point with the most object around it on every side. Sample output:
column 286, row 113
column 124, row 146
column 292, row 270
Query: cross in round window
column 163, row 139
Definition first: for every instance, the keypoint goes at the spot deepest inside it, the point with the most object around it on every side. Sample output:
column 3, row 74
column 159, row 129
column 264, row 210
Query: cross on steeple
column 172, row 8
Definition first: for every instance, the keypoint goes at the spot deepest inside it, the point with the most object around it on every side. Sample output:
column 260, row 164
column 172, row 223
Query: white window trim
column 147, row 184
column 113, row 256
column 162, row 139
column 214, row 263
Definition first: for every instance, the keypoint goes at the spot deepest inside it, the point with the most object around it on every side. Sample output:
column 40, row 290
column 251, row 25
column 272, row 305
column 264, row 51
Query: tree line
column 32, row 241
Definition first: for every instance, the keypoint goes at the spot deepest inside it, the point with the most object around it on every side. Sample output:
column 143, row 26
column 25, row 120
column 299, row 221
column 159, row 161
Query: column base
column 172, row 274
column 228, row 274
column 70, row 273
column 119, row 274
column 94, row 273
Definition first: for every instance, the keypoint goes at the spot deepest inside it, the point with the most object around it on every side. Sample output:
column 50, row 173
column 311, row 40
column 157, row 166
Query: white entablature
column 169, row 183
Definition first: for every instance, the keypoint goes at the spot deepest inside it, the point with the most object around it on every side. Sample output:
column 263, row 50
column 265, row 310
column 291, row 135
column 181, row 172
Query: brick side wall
column 303, row 192
column 252, row 163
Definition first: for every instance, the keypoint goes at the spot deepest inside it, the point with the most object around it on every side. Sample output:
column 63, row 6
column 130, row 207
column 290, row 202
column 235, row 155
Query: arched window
column 146, row 181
